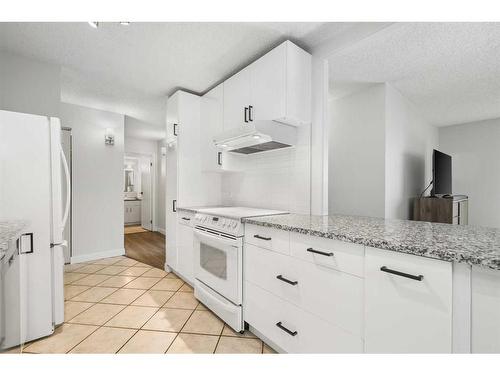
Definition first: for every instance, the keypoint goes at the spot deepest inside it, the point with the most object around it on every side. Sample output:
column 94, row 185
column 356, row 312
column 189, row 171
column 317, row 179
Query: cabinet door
column 268, row 85
column 185, row 257
column 172, row 120
column 136, row 213
column 171, row 200
column 404, row 315
column 212, row 122
column 236, row 99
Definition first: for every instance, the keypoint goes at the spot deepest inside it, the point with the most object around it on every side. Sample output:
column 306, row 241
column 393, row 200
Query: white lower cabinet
column 185, row 240
column 292, row 329
column 335, row 296
column 408, row 303
column 485, row 310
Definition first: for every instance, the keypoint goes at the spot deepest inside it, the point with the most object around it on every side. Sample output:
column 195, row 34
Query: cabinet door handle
column 407, row 275
column 246, row 114
column 219, row 158
column 280, row 277
column 262, row 238
column 186, row 218
column 174, row 205
column 175, row 130
column 250, row 113
column 311, row 250
column 291, row 333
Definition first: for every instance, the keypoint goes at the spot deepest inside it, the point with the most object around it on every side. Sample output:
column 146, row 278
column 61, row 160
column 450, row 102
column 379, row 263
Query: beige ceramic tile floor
column 119, row 305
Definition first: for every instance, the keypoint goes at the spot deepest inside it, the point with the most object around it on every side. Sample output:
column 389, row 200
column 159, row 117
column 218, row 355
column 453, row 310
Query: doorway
column 139, row 191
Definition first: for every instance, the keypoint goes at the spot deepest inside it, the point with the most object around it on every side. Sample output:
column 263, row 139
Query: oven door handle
column 214, row 239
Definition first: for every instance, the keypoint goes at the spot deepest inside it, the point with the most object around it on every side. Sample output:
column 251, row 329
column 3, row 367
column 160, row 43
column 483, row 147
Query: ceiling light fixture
column 95, row 25
column 256, row 136
column 124, row 23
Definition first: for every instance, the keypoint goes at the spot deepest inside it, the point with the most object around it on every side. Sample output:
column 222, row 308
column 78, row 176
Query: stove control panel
column 220, row 224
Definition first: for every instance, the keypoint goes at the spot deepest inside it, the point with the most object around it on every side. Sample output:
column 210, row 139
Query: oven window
column 213, row 261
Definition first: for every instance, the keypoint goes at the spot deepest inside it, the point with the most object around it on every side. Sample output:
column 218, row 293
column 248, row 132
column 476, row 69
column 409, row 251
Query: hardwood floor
column 147, row 247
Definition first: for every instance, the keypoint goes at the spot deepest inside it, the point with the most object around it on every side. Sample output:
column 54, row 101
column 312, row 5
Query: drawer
column 306, row 333
column 335, row 296
column 404, row 314
column 268, row 238
column 185, row 217
column 345, row 256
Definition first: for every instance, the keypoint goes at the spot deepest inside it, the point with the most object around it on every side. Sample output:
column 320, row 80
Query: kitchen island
column 358, row 284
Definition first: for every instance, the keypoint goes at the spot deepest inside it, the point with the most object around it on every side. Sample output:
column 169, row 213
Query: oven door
column 218, row 263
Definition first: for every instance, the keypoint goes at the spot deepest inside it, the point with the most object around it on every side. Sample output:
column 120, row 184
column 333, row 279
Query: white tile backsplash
column 278, row 179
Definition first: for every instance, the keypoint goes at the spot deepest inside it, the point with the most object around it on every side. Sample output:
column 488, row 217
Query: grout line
column 219, row 336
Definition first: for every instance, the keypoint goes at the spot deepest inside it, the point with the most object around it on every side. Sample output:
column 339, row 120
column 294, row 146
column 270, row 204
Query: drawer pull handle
column 394, row 272
column 291, row 333
column 280, row 277
column 262, row 238
column 311, row 250
column 186, row 218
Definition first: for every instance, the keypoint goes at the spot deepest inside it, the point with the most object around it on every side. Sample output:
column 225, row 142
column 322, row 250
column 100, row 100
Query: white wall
column 380, row 153
column 357, row 149
column 277, row 179
column 97, row 182
column 475, row 151
column 409, row 141
column 29, row 86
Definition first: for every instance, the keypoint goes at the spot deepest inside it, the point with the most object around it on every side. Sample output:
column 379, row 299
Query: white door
column 66, row 146
column 268, row 84
column 25, row 183
column 237, row 99
column 147, row 195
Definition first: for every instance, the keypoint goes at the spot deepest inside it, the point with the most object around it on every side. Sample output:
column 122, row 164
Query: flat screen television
column 441, row 174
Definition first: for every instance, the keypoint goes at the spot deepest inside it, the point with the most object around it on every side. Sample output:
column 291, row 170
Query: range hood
column 258, row 136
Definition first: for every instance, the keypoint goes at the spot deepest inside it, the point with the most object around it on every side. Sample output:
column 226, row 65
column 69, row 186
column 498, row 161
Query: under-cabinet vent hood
column 259, row 136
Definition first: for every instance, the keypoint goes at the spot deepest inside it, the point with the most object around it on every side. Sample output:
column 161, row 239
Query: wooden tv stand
column 449, row 210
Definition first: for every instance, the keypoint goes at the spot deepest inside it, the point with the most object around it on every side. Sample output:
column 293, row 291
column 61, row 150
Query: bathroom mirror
column 129, row 180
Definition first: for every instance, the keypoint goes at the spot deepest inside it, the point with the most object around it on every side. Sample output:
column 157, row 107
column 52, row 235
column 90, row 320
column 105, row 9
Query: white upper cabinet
column 172, row 120
column 212, row 105
column 275, row 87
column 237, row 99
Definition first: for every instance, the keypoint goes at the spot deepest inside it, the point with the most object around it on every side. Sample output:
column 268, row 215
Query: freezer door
column 25, row 186
column 60, row 211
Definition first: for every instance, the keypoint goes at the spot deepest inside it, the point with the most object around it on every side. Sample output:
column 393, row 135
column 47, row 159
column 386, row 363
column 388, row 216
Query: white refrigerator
column 32, row 172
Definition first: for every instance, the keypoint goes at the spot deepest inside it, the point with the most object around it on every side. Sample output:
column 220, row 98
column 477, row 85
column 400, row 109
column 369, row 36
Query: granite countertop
column 460, row 243
column 9, row 230
column 194, row 209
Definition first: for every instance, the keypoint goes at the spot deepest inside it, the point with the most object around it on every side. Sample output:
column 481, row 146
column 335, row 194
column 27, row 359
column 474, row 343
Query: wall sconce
column 109, row 136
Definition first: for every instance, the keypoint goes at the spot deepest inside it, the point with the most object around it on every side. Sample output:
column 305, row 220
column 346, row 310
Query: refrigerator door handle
column 68, row 188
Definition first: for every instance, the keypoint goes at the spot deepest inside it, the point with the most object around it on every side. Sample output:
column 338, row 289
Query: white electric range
column 218, row 252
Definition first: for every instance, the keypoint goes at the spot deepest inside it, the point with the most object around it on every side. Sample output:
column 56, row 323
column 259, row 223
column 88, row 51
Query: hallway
column 146, row 247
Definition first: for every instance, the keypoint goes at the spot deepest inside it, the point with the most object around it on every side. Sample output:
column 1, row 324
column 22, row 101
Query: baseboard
column 161, row 230
column 96, row 256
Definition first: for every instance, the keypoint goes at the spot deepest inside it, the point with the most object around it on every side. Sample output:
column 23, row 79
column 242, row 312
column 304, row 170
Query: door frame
column 153, row 158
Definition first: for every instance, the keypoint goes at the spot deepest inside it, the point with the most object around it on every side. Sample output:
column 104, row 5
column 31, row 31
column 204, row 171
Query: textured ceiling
column 450, row 71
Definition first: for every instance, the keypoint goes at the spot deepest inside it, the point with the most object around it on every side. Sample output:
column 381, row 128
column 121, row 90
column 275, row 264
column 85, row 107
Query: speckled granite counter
column 460, row 243
column 194, row 209
column 9, row 230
